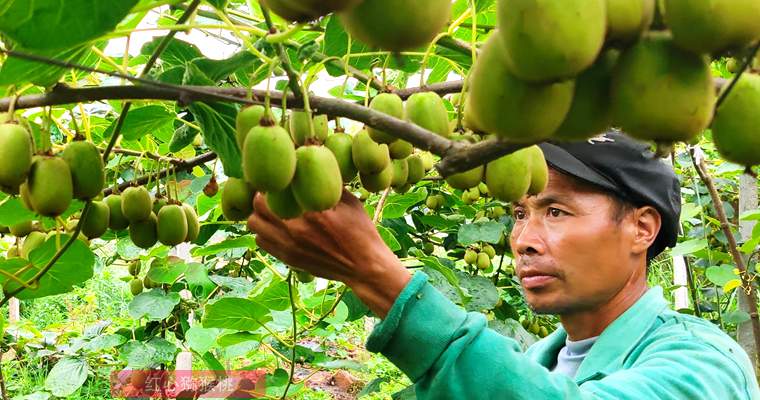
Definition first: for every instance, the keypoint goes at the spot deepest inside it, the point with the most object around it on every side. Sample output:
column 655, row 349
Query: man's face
column 571, row 253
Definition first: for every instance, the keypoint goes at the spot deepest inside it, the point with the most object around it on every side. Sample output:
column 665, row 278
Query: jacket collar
column 614, row 344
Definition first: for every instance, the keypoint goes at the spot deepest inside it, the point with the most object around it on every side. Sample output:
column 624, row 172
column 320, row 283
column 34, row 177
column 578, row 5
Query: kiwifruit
column 317, row 185
column 283, row 204
column 386, row 103
column 416, row 169
column 116, row 219
column 16, row 155
column 400, row 149
column 379, row 181
column 427, row 110
column 508, row 178
column 544, row 40
column 144, row 234
column 340, row 144
column 269, row 158
column 95, row 223
column 87, row 169
column 171, row 225
column 193, row 226
column 735, row 127
column 21, row 229
column 706, row 27
column 135, row 286
column 50, row 187
column 136, row 204
column 245, row 120
column 237, row 199
column 31, row 242
column 396, row 25
column 369, row 157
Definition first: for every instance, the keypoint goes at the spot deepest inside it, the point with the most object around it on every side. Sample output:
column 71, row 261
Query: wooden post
column 747, row 202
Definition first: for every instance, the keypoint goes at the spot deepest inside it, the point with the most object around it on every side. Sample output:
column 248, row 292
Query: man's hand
column 340, row 244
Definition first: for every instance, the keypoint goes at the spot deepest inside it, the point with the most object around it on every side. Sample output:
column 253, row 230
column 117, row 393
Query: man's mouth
column 532, row 279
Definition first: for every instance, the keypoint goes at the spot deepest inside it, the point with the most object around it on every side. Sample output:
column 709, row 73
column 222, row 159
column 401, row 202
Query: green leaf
column 483, row 292
column 688, row 247
column 166, row 270
column 177, row 52
column 201, row 339
column 104, row 342
column 217, row 122
column 275, row 296
column 197, row 278
column 751, row 215
column 389, row 237
column 513, row 329
column 237, row 338
column 720, row 275
column 182, row 137
column 55, row 24
column 154, row 305
column 736, row 317
column 142, row 121
column 689, row 210
column 235, row 313
column 489, row 232
column 446, row 278
column 240, row 242
column 163, row 350
column 19, row 71
column 67, row 376
column 217, row 70
column 396, row 205
column 74, row 267
column 12, row 212
column 136, row 354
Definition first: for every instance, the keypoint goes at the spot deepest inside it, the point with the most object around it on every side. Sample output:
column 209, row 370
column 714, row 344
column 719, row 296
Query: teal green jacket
column 649, row 352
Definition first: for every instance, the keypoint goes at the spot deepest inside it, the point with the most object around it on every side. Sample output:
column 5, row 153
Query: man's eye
column 555, row 212
column 519, row 214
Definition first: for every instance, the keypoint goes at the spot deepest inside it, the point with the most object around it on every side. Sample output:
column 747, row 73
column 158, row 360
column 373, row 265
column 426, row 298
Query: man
column 582, row 249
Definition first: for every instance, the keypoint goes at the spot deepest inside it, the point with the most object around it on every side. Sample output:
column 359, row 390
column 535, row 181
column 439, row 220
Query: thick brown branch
column 440, row 88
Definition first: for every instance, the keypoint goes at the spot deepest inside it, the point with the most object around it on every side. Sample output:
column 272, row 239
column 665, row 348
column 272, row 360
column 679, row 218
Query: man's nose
column 527, row 237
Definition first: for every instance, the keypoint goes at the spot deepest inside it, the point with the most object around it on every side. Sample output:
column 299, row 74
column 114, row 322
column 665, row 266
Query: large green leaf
column 154, row 305
column 142, row 121
column 275, row 296
column 217, row 122
column 67, row 376
column 720, row 275
column 177, row 52
column 489, row 232
column 235, row 313
column 689, row 247
column 197, row 278
column 240, row 242
column 396, row 205
column 74, row 267
column 201, row 339
column 166, row 271
column 58, row 24
column 12, row 212
column 17, row 71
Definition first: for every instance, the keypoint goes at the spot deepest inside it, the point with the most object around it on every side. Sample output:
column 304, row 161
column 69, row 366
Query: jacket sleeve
column 452, row 354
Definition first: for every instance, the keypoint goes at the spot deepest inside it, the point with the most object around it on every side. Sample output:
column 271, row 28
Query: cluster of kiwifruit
column 535, row 325
column 480, row 255
column 602, row 65
column 136, row 284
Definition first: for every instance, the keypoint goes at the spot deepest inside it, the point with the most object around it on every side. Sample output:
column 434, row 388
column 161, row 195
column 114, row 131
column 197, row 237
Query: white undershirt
column 571, row 356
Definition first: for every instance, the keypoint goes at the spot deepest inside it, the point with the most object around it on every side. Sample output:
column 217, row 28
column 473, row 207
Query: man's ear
column 648, row 223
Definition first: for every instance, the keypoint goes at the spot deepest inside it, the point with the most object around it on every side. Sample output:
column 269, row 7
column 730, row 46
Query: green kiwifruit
column 317, row 184
column 116, row 219
column 193, row 226
column 508, row 178
column 400, row 173
column 545, row 40
column 427, row 110
column 87, row 169
column 26, row 200
column 386, row 103
column 321, row 127
column 539, row 170
column 246, row 119
column 483, row 261
column 400, row 149
column 470, row 256
column 237, row 199
column 483, row 189
column 304, row 277
column 307, row 10
column 660, row 92
column 628, row 19
column 303, row 128
column 416, row 169
column 735, row 128
column 136, row 204
column 396, row 25
column 283, row 204
column 21, row 229
column 49, row 185
column 95, row 223
column 713, row 26
column 501, row 104
column 144, row 234
column 135, row 286
column 16, row 155
column 269, row 158
column 134, row 268
column 171, row 225
column 369, row 157
column 13, row 252
column 466, row 180
column 340, row 144
column 31, row 242
column 427, row 160
column 590, row 112
column 377, row 182
column 488, row 249
column 150, row 283
column 158, row 203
